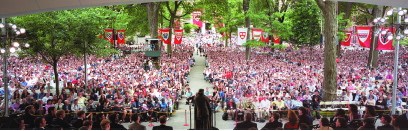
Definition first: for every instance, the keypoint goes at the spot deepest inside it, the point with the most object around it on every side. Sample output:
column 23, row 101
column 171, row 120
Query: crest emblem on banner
column 108, row 35
column 242, row 35
column 178, row 35
column 363, row 34
column 165, row 35
column 383, row 38
column 120, row 35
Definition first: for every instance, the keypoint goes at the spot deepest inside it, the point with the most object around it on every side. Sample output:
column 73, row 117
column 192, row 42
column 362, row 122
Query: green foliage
column 305, row 18
column 55, row 34
column 138, row 20
column 254, row 43
column 342, row 25
column 188, row 27
column 278, row 46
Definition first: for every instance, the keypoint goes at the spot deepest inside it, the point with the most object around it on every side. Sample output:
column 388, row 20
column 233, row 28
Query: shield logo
column 383, row 38
column 363, row 34
column 178, row 35
column 242, row 35
column 347, row 36
column 108, row 35
column 165, row 35
column 120, row 35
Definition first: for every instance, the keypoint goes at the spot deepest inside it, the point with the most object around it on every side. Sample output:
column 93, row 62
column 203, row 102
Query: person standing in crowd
column 162, row 126
column 202, row 111
column 273, row 123
column 136, row 123
column 247, row 124
column 87, row 125
column 401, row 122
column 341, row 124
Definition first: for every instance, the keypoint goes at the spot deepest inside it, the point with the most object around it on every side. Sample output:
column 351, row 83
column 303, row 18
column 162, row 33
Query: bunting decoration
column 178, row 35
column 364, row 35
column 242, row 36
column 276, row 39
column 121, row 36
column 383, row 42
column 256, row 34
column 347, row 40
column 265, row 37
column 165, row 35
column 109, row 35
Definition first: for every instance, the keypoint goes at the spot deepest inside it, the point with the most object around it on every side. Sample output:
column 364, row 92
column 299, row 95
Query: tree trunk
column 248, row 25
column 328, row 8
column 169, row 50
column 55, row 68
column 373, row 54
column 153, row 16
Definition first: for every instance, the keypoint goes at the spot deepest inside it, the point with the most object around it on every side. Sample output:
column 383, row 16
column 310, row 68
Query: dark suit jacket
column 162, row 127
column 246, row 125
column 385, row 127
column 63, row 124
column 272, row 125
column 78, row 123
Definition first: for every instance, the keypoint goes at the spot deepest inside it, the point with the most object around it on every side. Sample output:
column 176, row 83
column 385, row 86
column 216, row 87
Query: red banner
column 265, row 37
column 276, row 39
column 178, row 35
column 383, row 42
column 109, row 35
column 165, row 35
column 121, row 36
column 347, row 40
column 364, row 35
column 256, row 34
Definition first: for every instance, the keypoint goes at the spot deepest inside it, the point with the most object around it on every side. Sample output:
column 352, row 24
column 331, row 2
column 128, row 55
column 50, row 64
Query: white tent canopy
column 9, row 8
column 393, row 3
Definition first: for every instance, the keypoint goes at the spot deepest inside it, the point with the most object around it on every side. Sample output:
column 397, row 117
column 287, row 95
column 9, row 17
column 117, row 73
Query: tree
column 373, row 56
column 245, row 6
column 53, row 35
column 328, row 8
column 306, row 23
column 172, row 9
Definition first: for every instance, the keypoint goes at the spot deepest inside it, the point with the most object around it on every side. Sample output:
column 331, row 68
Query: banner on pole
column 242, row 36
column 347, row 40
column 383, row 42
column 121, row 36
column 256, row 34
column 165, row 35
column 276, row 39
column 178, row 35
column 265, row 37
column 109, row 35
column 364, row 35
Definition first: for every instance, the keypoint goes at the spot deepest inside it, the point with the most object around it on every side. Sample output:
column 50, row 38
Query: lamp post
column 401, row 31
column 10, row 33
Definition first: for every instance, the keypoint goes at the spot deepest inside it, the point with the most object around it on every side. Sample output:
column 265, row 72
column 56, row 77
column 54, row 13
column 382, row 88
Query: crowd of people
column 121, row 86
column 129, row 88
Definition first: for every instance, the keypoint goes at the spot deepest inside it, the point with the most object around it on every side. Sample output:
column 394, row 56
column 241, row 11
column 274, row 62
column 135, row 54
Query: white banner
column 242, row 36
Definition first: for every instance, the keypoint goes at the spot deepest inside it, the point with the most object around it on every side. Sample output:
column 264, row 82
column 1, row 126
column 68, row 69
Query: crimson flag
column 265, row 37
column 276, row 39
column 121, row 36
column 256, row 34
column 347, row 40
column 165, row 35
column 178, row 35
column 383, row 42
column 364, row 35
column 109, row 35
